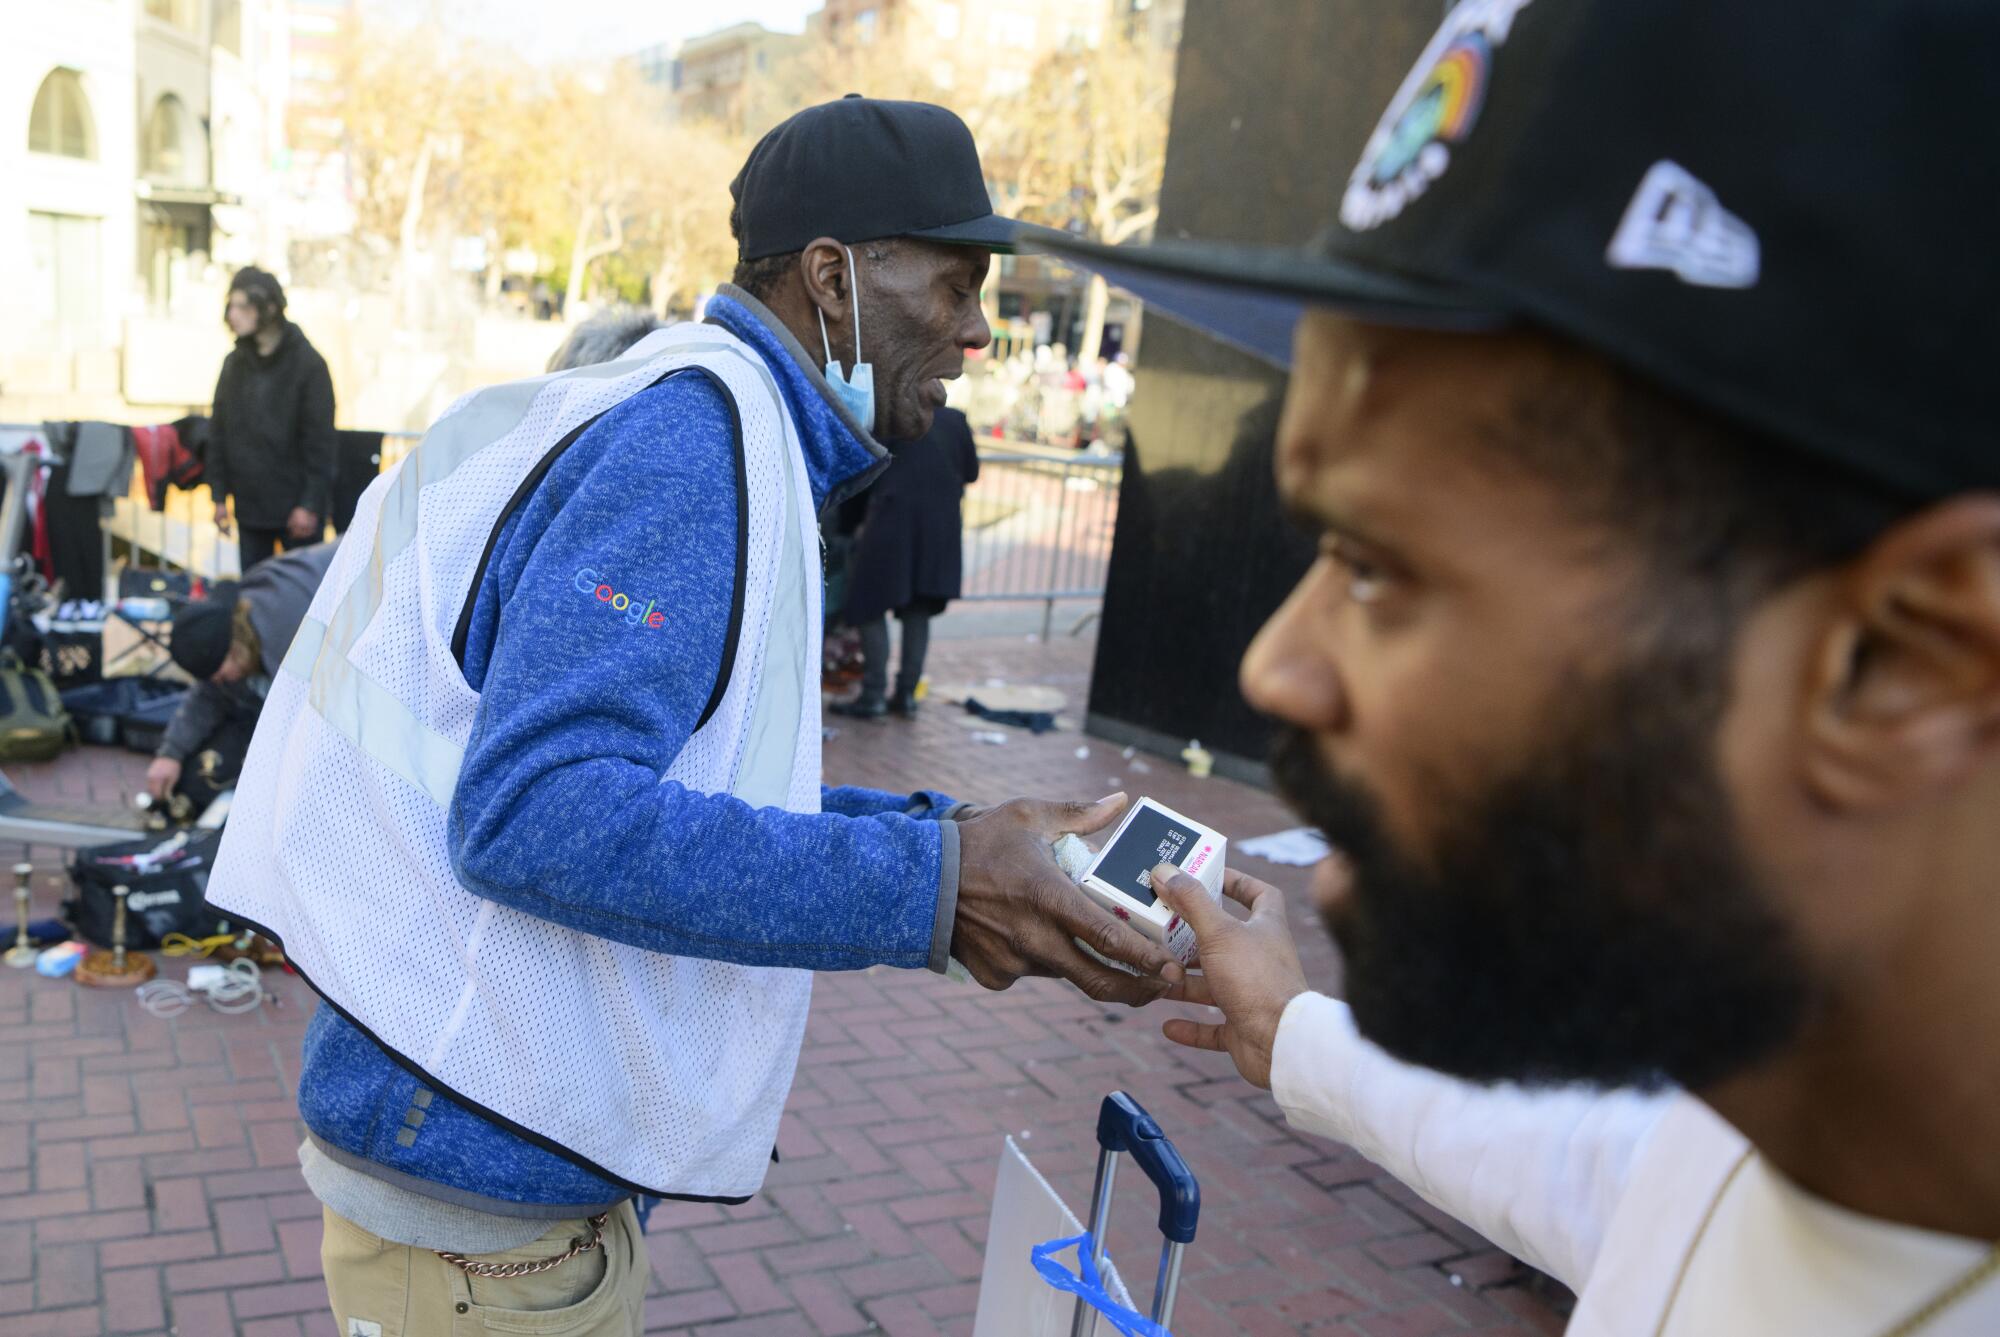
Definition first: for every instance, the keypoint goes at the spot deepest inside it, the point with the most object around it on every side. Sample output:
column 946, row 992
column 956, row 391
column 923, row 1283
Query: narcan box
column 1120, row 877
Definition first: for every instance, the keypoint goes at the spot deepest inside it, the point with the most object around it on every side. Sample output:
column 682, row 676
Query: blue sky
column 568, row 29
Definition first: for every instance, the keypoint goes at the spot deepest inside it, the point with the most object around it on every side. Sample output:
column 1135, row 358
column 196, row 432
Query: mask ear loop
column 854, row 299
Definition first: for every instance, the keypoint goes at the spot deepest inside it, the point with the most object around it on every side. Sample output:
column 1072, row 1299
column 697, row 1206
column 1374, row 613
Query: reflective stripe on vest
column 367, row 712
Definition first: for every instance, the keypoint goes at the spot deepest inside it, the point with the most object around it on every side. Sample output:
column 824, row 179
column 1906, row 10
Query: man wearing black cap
column 231, row 644
column 535, row 801
column 1649, row 675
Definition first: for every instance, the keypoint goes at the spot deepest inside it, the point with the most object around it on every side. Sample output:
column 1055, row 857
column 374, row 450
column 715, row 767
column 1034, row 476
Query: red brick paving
column 148, row 1185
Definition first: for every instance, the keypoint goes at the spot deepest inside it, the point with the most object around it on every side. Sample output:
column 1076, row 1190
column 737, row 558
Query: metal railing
column 1038, row 526
column 1038, row 522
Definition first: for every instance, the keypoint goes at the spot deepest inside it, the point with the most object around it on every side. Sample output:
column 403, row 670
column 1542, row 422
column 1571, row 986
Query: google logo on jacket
column 588, row 583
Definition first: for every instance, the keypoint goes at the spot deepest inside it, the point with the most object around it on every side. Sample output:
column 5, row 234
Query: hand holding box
column 1120, row 877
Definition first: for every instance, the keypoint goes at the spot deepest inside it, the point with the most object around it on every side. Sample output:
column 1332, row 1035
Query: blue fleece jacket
column 560, row 811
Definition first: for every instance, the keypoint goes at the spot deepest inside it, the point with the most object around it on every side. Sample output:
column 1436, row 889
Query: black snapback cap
column 1787, row 213
column 860, row 169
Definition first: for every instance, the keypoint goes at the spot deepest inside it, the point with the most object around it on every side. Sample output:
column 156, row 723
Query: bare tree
column 441, row 139
column 1083, row 149
column 586, row 168
column 686, row 226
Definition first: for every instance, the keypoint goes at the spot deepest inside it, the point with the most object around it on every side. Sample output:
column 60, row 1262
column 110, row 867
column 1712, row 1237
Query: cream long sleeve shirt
column 1608, row 1192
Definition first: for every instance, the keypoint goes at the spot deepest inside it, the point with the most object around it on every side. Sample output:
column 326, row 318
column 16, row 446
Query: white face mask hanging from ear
column 856, row 395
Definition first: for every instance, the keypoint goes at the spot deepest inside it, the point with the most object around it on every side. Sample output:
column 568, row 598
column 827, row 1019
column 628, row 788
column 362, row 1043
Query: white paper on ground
column 1300, row 846
column 1014, row 1301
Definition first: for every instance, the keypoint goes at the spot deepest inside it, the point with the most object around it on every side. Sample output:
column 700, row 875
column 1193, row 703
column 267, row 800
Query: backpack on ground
column 33, row 724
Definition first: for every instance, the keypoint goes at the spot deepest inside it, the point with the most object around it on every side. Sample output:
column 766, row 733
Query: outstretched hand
column 1249, row 968
column 1018, row 914
column 162, row 776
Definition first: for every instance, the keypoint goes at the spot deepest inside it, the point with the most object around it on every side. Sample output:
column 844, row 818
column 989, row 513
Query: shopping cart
column 1025, row 1286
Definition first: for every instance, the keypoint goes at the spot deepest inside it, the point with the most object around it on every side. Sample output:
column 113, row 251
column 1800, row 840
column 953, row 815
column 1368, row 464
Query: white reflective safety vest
column 665, row 1073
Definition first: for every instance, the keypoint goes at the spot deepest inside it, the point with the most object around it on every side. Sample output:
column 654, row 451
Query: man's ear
column 1904, row 700
column 823, row 268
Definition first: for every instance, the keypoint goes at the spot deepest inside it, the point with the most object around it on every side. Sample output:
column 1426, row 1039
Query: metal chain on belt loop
column 504, row 1270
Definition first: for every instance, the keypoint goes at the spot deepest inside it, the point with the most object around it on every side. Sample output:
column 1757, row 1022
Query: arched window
column 60, row 122
column 171, row 148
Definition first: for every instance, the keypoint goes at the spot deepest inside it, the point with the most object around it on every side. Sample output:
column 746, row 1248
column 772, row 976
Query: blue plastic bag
column 1090, row 1285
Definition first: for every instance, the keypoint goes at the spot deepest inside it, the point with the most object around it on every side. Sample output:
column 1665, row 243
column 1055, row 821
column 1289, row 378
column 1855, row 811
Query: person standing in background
column 271, row 444
column 908, row 559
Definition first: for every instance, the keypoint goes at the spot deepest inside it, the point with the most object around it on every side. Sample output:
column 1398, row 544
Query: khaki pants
column 379, row 1289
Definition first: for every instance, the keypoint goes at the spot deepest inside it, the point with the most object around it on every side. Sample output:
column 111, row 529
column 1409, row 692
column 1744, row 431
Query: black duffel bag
column 144, row 727
column 167, row 875
column 129, row 711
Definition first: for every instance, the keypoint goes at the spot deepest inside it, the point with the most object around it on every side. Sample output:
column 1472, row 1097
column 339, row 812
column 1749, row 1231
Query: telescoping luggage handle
column 1123, row 1125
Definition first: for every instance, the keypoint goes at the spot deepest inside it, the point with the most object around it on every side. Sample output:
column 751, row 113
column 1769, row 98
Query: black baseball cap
column 861, row 169
column 1785, row 213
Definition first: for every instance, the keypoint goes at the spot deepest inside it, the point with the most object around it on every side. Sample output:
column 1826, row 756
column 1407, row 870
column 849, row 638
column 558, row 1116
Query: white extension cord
column 236, row 987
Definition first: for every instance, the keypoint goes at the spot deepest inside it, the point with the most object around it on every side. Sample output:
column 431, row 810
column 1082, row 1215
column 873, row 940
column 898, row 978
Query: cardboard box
column 1120, row 877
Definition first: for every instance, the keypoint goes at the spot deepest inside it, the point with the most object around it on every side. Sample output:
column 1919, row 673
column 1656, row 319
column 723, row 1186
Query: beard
column 1591, row 917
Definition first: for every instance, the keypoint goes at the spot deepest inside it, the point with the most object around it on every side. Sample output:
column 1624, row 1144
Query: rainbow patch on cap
column 1445, row 108
column 1437, row 106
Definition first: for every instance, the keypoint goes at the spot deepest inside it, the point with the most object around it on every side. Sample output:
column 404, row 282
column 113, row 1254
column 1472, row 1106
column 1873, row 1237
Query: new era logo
column 1676, row 223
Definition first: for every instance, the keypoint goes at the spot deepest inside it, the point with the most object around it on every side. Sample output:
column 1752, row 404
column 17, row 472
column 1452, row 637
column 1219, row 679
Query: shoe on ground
column 903, row 704
column 862, row 708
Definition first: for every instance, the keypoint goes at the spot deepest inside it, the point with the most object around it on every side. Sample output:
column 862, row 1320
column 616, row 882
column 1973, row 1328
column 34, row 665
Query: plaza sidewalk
column 148, row 1177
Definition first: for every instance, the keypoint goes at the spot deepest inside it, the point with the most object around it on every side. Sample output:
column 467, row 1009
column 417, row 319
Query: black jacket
column 271, row 439
column 909, row 550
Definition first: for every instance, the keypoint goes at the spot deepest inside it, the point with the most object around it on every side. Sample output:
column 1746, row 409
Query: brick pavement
column 148, row 1181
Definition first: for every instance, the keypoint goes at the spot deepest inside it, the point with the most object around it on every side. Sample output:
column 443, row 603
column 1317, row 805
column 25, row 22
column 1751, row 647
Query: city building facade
column 975, row 51
column 318, row 206
column 138, row 139
column 69, row 153
column 737, row 77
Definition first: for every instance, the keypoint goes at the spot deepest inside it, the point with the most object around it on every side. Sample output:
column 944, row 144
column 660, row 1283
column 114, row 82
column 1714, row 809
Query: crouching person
column 231, row 644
